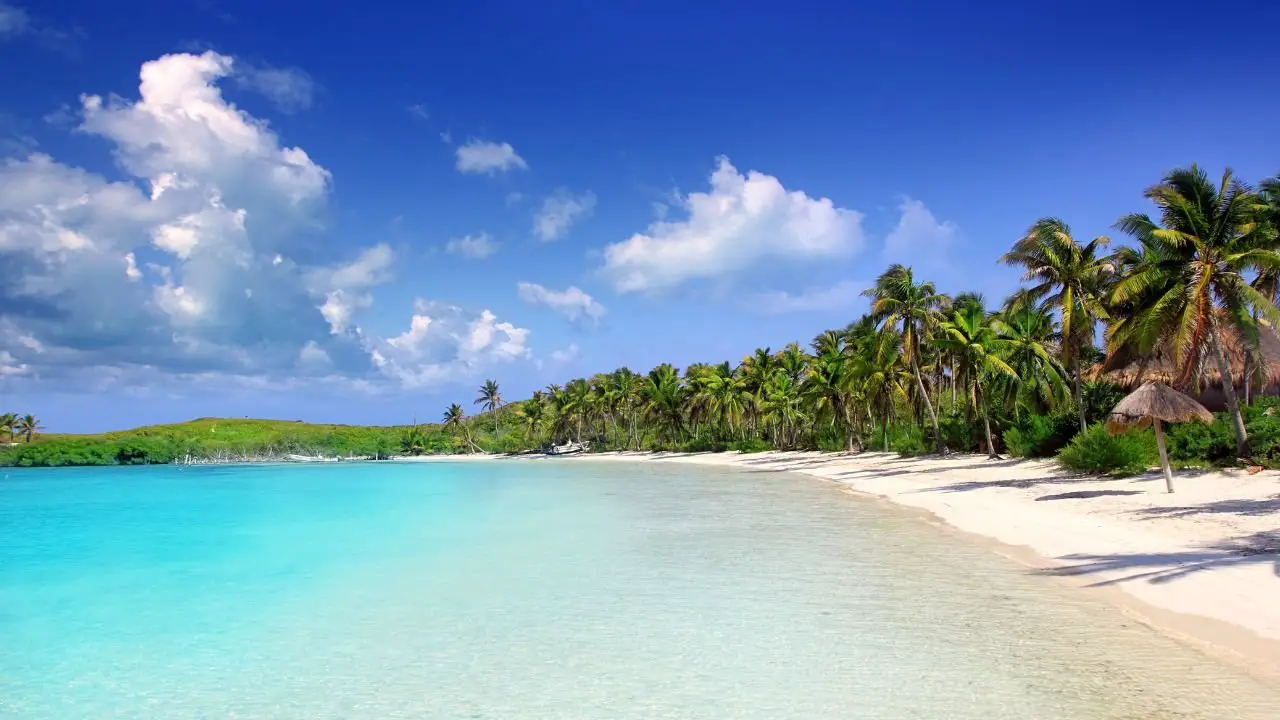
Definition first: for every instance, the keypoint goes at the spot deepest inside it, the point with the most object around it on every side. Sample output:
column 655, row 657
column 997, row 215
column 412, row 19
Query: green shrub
column 960, row 434
column 1215, row 443
column 1041, row 435
column 1264, row 439
column 704, row 444
column 751, row 445
column 1098, row 451
column 907, row 440
column 1100, row 398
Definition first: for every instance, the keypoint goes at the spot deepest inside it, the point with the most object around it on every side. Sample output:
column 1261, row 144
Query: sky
column 357, row 212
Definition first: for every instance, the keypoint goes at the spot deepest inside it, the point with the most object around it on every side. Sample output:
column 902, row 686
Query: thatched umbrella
column 1155, row 403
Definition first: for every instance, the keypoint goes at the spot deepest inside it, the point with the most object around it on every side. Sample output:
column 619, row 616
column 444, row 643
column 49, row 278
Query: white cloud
column 918, row 236
column 473, row 246
column 131, row 270
column 446, row 137
column 13, row 20
column 291, row 89
column 419, row 111
column 446, row 344
column 743, row 220
column 559, row 211
column 343, row 287
column 9, row 365
column 839, row 296
column 483, row 156
column 514, row 198
column 573, row 352
column 570, row 302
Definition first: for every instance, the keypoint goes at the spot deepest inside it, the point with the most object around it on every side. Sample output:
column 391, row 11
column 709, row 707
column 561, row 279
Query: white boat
column 569, row 448
column 311, row 459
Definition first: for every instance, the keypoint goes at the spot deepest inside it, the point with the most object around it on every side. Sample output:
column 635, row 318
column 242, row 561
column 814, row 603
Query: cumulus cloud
column 483, row 156
column 210, row 271
column 559, row 212
column 919, row 236
column 473, row 246
column 571, row 302
column 741, row 221
column 445, row 344
column 839, row 296
column 291, row 89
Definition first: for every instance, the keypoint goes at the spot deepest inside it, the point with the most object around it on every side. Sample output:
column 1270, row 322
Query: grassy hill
column 217, row 439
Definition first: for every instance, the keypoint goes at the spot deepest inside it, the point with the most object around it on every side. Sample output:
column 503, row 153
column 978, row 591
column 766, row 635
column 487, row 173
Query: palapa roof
column 1127, row 370
column 1156, row 400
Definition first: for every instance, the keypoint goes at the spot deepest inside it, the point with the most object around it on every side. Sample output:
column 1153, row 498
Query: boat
column 569, row 448
column 311, row 459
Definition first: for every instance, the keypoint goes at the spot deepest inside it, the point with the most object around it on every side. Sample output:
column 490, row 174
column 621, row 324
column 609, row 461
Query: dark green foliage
column 1100, row 398
column 1041, row 435
column 1213, row 443
column 751, row 445
column 1098, row 451
column 907, row 440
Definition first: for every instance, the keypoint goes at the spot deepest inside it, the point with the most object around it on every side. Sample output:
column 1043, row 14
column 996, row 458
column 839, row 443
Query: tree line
column 927, row 370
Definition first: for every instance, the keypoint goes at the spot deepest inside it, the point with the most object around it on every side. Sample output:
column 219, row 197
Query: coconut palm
column 664, row 402
column 831, row 388
column 8, row 424
column 1069, row 278
column 971, row 337
column 490, row 400
column 455, row 419
column 914, row 309
column 883, row 374
column 532, row 414
column 28, row 426
column 1190, row 275
column 1028, row 332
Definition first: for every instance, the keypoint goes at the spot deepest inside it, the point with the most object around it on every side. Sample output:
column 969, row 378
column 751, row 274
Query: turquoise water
column 544, row 590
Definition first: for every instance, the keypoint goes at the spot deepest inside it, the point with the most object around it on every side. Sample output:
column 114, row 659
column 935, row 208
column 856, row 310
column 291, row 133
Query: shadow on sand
column 1257, row 548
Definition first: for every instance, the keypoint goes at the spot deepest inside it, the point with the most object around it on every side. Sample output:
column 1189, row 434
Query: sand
column 1202, row 564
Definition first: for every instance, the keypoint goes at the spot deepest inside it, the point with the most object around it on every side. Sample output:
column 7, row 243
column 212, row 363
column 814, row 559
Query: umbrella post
column 1164, row 455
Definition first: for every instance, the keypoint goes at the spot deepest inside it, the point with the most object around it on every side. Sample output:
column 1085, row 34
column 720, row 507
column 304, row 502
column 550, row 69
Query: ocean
column 551, row 589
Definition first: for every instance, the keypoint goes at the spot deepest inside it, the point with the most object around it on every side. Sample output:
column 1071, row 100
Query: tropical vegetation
column 926, row 371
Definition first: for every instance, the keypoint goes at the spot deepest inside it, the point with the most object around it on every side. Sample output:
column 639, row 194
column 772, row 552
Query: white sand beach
column 1202, row 564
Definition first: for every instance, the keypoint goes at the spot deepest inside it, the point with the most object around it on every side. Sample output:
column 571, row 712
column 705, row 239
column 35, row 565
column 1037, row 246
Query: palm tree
column 28, row 426
column 1028, row 333
column 831, row 388
column 664, row 402
column 531, row 413
column 970, row 336
column 883, row 375
column 490, row 400
column 455, row 418
column 1190, row 274
column 1067, row 277
column 8, row 424
column 898, row 301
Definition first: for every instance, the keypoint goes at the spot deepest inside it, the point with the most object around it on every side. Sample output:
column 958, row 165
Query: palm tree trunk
column 1228, row 388
column 1078, row 391
column 933, row 417
column 986, row 420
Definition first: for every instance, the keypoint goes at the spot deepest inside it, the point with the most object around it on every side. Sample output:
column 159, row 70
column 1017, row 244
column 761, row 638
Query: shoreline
column 1201, row 565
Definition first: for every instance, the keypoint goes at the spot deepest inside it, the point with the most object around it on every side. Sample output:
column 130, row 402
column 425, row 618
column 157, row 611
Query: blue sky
column 358, row 212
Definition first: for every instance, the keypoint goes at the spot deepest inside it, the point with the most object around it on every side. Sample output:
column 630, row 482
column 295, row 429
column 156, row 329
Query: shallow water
column 544, row 590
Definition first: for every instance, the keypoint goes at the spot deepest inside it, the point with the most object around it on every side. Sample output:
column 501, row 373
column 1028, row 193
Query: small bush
column 1215, row 443
column 960, row 434
column 750, row 445
column 907, row 440
column 1100, row 398
column 1041, row 435
column 1098, row 451
column 1264, row 439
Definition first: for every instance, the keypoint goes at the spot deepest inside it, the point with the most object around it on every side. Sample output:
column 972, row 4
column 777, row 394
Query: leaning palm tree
column 1190, row 275
column 971, row 337
column 899, row 302
column 28, row 426
column 490, row 400
column 455, row 419
column 8, row 424
column 1067, row 277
